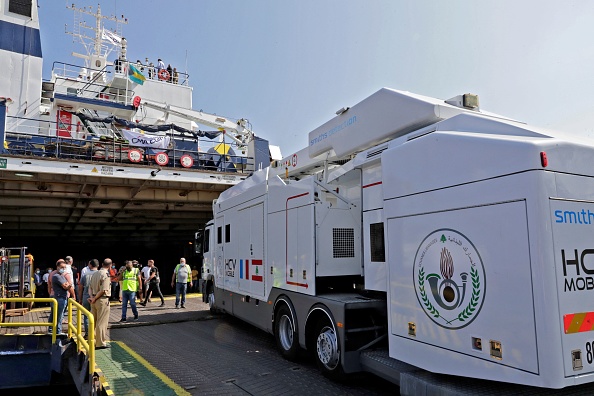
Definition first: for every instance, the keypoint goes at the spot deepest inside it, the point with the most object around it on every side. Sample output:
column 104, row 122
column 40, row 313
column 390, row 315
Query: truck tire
column 285, row 334
column 327, row 350
column 211, row 298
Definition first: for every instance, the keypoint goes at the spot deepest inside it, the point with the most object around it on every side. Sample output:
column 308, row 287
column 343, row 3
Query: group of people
column 160, row 72
column 95, row 287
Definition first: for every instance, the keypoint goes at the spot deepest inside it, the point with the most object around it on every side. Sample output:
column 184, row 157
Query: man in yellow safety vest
column 131, row 282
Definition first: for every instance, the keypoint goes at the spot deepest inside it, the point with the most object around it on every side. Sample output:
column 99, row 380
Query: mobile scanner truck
column 454, row 240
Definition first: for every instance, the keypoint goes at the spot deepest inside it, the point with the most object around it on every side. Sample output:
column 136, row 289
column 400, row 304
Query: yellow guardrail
column 54, row 318
column 88, row 346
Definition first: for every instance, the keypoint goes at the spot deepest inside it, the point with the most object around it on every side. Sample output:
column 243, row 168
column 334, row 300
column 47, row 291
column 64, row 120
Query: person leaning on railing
column 61, row 289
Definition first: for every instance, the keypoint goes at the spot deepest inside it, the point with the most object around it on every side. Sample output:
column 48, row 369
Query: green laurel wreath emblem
column 471, row 307
column 423, row 294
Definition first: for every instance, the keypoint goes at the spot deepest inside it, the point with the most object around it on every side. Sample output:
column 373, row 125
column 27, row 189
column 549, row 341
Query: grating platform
column 127, row 373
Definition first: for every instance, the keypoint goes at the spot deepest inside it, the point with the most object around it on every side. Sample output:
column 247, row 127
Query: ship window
column 219, row 234
column 21, row 7
column 376, row 242
column 343, row 245
column 227, row 233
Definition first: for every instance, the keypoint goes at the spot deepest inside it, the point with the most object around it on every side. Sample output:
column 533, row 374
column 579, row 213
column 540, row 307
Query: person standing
column 84, row 283
column 79, row 292
column 69, row 260
column 195, row 275
column 113, row 276
column 83, row 272
column 170, row 72
column 182, row 275
column 61, row 288
column 140, row 290
column 47, row 274
column 151, row 70
column 122, row 269
column 50, row 288
column 70, row 274
column 144, row 274
column 130, row 278
column 38, row 282
column 153, row 284
column 175, row 76
column 160, row 66
column 43, row 286
column 99, row 293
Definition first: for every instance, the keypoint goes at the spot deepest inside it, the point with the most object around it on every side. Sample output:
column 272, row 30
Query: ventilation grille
column 343, row 242
column 375, row 152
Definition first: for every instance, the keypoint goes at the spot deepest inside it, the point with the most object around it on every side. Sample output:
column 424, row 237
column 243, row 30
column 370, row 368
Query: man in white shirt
column 46, row 275
column 145, row 274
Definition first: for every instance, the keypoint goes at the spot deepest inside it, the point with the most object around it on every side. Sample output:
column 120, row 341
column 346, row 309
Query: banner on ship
column 144, row 140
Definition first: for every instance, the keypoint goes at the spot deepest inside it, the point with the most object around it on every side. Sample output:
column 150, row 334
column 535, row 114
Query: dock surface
column 190, row 351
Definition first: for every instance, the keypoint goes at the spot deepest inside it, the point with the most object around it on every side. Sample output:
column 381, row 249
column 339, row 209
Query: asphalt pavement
column 208, row 354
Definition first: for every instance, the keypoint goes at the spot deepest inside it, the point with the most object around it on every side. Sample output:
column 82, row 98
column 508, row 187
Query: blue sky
column 288, row 65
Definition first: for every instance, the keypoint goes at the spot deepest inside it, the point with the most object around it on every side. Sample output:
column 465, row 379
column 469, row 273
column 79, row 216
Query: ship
column 106, row 149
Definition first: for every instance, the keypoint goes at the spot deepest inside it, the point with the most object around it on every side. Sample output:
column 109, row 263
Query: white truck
column 459, row 241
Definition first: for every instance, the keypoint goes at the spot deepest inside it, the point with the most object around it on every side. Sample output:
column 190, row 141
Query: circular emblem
column 186, row 161
column 161, row 159
column 449, row 279
column 134, row 155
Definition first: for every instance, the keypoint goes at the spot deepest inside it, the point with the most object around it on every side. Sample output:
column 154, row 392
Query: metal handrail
column 53, row 323
column 116, row 151
column 81, row 343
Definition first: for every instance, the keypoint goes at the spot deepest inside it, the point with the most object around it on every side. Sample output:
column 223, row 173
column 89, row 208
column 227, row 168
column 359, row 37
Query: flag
column 135, row 75
column 111, row 37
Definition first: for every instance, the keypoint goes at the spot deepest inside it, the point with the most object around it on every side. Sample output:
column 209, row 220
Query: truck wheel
column 285, row 334
column 211, row 299
column 327, row 353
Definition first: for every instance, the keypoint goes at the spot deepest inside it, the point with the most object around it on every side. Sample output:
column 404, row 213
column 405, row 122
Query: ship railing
column 84, row 82
column 75, row 330
column 73, row 72
column 183, row 153
column 29, row 302
column 93, row 90
column 152, row 73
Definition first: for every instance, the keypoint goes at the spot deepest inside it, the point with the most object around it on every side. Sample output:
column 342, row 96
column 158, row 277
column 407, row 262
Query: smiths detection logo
column 449, row 279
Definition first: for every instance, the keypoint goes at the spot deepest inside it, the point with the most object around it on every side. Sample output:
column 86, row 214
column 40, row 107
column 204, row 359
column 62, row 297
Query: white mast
column 96, row 46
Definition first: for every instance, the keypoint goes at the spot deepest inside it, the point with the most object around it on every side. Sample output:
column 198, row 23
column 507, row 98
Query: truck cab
column 205, row 247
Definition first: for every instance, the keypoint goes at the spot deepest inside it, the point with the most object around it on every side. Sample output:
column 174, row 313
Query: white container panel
column 276, row 254
column 300, row 248
column 462, row 275
column 338, row 234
